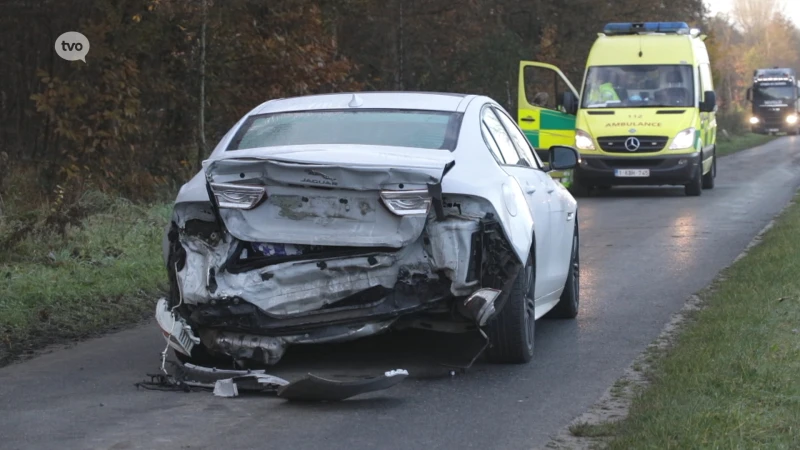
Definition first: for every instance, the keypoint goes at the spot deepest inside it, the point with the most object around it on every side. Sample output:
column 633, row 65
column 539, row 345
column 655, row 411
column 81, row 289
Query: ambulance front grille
column 646, row 144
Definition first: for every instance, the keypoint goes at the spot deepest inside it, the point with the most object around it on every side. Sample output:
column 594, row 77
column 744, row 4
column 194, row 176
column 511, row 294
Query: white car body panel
column 525, row 202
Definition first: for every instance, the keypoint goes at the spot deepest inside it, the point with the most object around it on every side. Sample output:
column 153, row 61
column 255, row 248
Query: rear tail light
column 237, row 196
column 407, row 203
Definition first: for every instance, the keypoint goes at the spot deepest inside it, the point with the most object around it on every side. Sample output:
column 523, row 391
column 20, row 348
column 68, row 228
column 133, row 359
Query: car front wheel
column 511, row 333
column 567, row 306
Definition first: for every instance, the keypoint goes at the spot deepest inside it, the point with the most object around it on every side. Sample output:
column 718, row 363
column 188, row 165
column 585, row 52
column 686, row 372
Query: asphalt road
column 644, row 251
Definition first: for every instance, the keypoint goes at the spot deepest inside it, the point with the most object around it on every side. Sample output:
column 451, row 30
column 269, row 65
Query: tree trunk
column 201, row 132
column 399, row 80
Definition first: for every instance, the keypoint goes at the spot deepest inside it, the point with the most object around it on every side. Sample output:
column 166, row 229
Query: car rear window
column 436, row 130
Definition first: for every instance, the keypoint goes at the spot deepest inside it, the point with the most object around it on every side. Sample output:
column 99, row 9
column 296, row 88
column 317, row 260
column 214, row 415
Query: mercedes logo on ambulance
column 632, row 144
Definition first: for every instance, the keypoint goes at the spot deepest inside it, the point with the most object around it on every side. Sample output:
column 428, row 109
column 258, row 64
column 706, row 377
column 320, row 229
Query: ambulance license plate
column 632, row 172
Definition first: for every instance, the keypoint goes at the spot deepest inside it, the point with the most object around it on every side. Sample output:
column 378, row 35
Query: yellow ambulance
column 646, row 113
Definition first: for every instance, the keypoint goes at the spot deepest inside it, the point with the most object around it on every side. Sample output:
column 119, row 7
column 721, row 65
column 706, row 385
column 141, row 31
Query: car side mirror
column 563, row 157
column 749, row 95
column 709, row 103
column 569, row 102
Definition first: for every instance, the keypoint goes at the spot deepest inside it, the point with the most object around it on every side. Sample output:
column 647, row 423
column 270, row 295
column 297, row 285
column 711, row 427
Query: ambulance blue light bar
column 646, row 27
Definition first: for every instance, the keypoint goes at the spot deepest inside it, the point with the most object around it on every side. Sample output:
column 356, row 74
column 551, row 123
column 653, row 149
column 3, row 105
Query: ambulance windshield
column 639, row 86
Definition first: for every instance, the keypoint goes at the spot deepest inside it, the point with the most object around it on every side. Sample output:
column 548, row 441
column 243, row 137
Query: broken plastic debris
column 255, row 382
column 259, row 382
column 481, row 305
column 226, row 388
column 230, row 383
column 314, row 388
column 215, row 372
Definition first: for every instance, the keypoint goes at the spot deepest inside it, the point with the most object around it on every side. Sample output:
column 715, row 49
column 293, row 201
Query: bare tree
column 201, row 132
column 754, row 16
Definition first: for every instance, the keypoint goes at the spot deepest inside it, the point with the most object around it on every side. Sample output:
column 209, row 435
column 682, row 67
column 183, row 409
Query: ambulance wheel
column 579, row 189
column 708, row 179
column 695, row 186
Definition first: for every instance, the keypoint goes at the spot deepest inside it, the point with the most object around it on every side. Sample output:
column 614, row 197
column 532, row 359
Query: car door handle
column 528, row 119
column 550, row 190
column 530, row 190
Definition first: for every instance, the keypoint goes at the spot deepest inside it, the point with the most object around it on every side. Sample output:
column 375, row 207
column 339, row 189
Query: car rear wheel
column 511, row 333
column 695, row 187
column 708, row 179
column 567, row 306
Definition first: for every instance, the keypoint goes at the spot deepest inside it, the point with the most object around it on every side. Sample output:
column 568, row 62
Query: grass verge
column 738, row 143
column 101, row 274
column 730, row 378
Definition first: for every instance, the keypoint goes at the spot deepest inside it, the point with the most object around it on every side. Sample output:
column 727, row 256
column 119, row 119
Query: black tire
column 511, row 332
column 579, row 189
column 794, row 132
column 569, row 303
column 695, row 187
column 708, row 179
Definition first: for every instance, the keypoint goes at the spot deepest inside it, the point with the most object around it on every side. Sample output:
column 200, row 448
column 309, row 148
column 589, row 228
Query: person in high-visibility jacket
column 603, row 93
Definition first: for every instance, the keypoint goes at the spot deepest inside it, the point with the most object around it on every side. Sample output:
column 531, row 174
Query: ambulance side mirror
column 569, row 102
column 709, row 103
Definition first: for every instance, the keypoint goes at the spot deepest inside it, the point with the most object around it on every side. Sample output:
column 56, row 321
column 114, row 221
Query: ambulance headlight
column 583, row 141
column 792, row 119
column 754, row 120
column 684, row 139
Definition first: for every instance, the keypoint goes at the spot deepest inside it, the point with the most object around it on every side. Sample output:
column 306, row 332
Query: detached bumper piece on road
column 232, row 383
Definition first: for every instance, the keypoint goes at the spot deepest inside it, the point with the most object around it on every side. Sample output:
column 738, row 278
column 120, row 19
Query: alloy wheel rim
column 530, row 307
column 576, row 272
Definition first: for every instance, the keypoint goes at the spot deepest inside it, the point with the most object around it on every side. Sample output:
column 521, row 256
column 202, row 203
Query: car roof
column 426, row 101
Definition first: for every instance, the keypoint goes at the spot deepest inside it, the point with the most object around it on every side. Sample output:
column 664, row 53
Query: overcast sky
column 790, row 7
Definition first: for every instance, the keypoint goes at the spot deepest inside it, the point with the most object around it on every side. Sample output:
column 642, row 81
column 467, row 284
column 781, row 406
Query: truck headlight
column 684, row 139
column 792, row 119
column 583, row 141
column 754, row 120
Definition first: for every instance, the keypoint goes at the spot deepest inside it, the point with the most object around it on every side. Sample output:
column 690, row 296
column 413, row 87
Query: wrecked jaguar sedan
column 332, row 217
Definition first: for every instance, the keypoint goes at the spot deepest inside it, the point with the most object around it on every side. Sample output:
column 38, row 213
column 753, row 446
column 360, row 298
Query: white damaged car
column 332, row 217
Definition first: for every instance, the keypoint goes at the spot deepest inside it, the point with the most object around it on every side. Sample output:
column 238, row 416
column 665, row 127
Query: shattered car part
column 481, row 305
column 315, row 388
column 213, row 373
column 226, row 388
column 254, row 382
column 231, row 383
column 270, row 349
column 178, row 333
